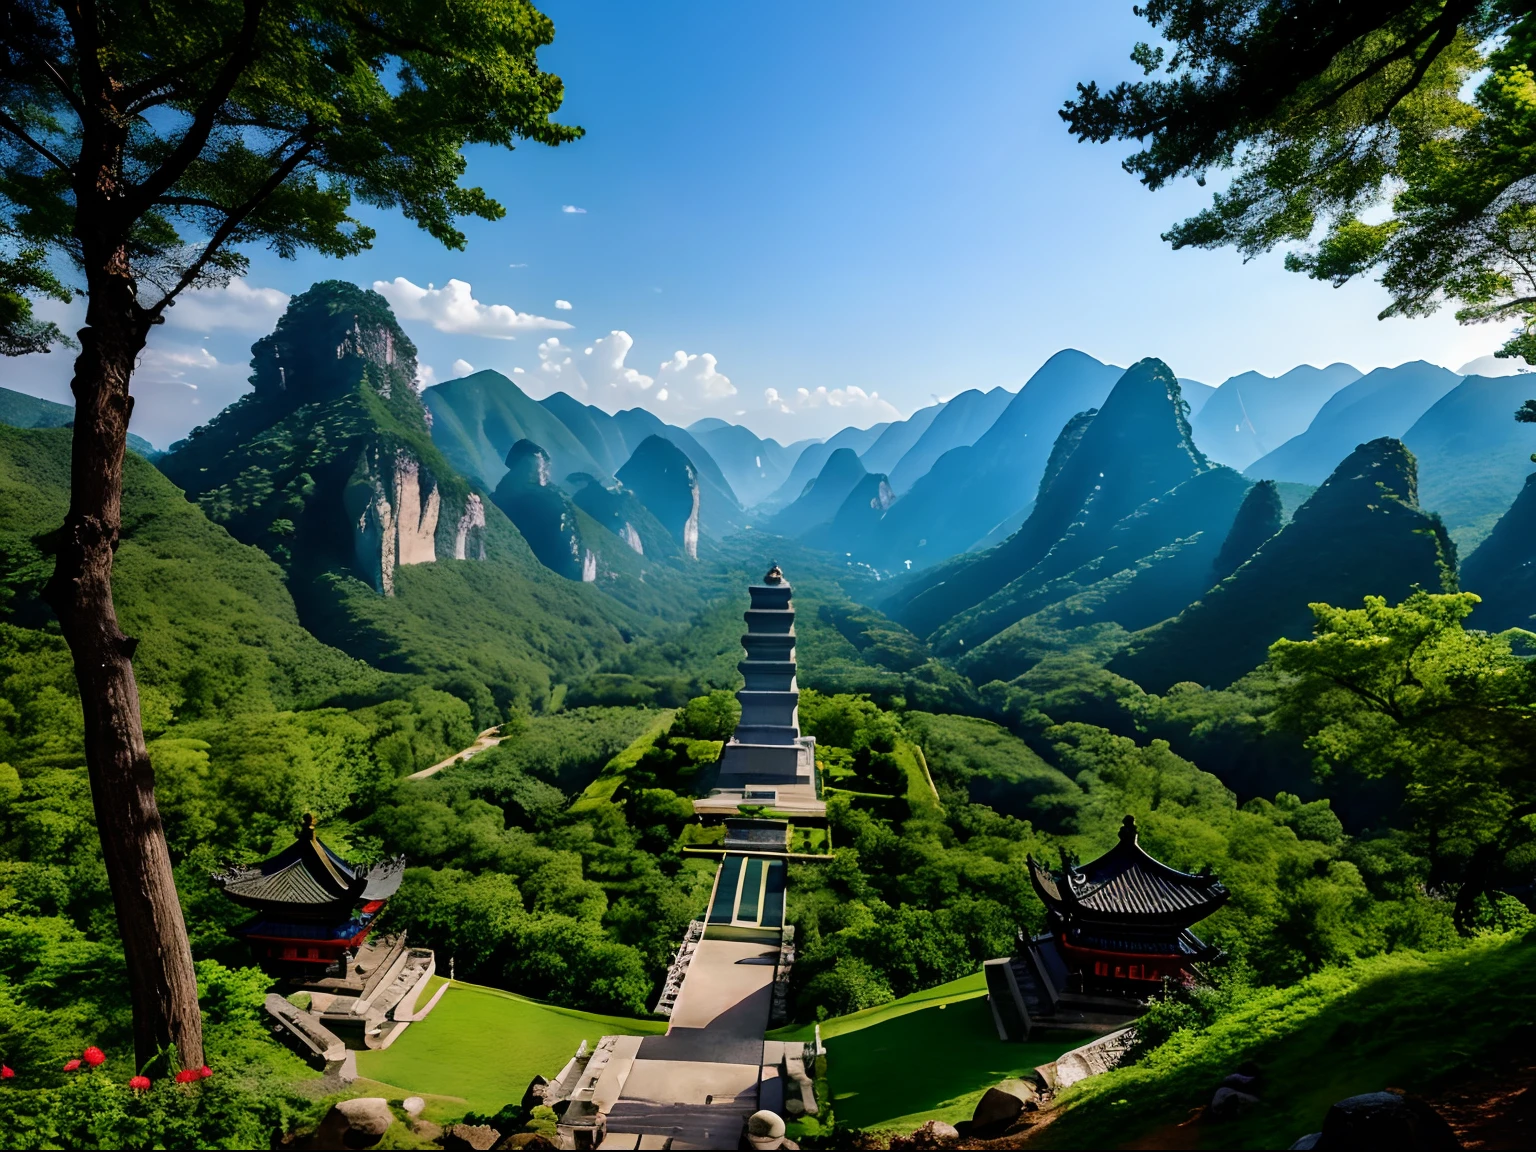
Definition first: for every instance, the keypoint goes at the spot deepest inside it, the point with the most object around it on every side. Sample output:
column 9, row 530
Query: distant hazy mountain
column 20, row 410
column 1251, row 415
column 1196, row 394
column 811, row 461
column 667, row 483
column 960, row 423
column 1385, row 402
column 1503, row 568
column 859, row 513
column 1473, row 456
column 897, row 440
column 754, row 467
column 969, row 491
column 1101, row 469
column 823, row 496
column 1361, row 533
column 477, row 418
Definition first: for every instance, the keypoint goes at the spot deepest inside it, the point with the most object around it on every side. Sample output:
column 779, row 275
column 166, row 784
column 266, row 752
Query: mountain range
column 496, row 543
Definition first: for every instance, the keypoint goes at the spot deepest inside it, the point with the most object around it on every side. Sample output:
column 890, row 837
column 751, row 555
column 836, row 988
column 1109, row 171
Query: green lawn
column 927, row 1056
column 932, row 1063
column 485, row 1045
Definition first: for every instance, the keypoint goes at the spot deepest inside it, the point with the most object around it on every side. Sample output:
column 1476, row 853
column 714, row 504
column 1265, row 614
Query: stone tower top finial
column 774, row 576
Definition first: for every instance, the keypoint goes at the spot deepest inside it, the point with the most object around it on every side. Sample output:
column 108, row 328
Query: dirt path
column 486, row 739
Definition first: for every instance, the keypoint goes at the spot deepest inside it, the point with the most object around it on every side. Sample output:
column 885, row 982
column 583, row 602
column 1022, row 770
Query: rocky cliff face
column 329, row 461
column 397, row 511
column 667, row 483
column 1362, row 533
column 619, row 511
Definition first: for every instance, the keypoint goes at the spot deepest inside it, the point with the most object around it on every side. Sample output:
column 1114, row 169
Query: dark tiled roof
column 1126, row 882
column 307, row 874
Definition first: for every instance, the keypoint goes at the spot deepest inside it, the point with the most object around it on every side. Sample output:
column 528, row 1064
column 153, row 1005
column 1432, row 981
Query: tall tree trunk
column 160, row 973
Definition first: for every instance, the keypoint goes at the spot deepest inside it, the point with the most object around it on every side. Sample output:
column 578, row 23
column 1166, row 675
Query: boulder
column 1228, row 1102
column 1091, row 1059
column 414, row 1106
column 765, row 1131
column 1385, row 1120
column 464, row 1137
column 359, row 1123
column 1000, row 1106
column 1240, row 1081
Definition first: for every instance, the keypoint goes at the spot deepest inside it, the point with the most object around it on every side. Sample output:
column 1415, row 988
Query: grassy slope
column 195, row 597
column 1404, row 1021
column 601, row 790
column 484, row 1046
column 927, row 1056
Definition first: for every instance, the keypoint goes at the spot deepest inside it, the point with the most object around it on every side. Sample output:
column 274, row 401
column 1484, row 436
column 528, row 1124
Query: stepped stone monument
column 767, row 761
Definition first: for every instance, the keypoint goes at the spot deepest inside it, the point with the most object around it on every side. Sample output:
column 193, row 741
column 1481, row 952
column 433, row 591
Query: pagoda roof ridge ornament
column 1127, row 881
column 774, row 575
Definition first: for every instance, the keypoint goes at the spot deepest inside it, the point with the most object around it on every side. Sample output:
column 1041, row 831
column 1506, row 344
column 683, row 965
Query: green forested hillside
column 20, row 410
column 1136, row 448
column 1362, row 533
column 391, row 554
column 218, row 630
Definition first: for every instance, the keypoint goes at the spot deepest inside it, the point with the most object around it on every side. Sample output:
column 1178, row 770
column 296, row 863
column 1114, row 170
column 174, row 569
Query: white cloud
column 695, row 378
column 563, row 305
column 453, row 308
column 426, row 376
column 462, row 368
column 689, row 386
column 572, row 210
column 237, row 306
column 171, row 365
column 1491, row 365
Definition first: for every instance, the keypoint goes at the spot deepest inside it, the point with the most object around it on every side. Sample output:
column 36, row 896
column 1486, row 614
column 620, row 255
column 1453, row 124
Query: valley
column 500, row 637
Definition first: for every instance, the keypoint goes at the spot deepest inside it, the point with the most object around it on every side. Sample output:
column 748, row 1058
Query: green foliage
column 24, row 274
column 710, row 717
column 218, row 632
column 319, row 443
column 1407, row 692
column 260, row 126
column 1423, row 109
column 1338, row 1033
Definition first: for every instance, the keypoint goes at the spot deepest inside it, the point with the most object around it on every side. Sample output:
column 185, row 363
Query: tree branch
column 226, row 229
column 1441, row 42
column 42, row 150
column 196, row 136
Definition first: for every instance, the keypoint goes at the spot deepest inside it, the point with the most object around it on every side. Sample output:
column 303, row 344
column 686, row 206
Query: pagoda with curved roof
column 313, row 908
column 1117, row 930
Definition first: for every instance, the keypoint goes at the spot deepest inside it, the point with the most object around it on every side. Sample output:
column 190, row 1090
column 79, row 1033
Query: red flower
column 6, row 1073
column 205, row 1072
column 94, row 1056
column 187, row 1075
column 72, row 1066
column 139, row 1083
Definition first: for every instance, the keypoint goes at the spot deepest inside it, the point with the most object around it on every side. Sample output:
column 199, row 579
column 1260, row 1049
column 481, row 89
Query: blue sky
column 875, row 199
